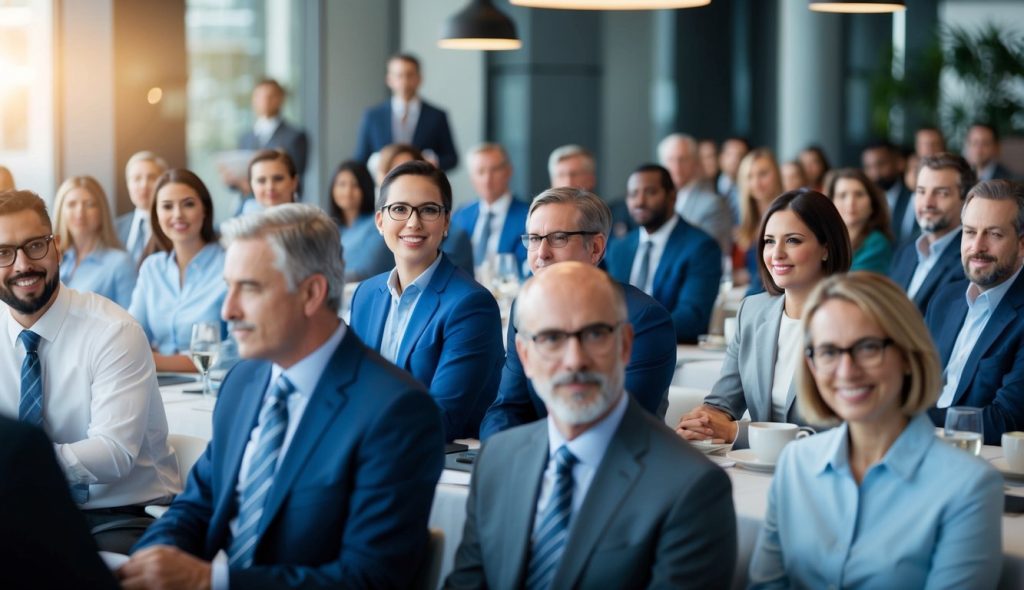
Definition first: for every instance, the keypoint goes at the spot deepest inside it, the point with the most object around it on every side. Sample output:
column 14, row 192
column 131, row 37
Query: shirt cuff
column 219, row 572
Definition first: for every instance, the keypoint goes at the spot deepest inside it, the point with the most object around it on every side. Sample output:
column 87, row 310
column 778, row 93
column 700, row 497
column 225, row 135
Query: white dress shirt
column 588, row 448
column 402, row 132
column 264, row 128
column 500, row 210
column 790, row 352
column 659, row 239
column 101, row 404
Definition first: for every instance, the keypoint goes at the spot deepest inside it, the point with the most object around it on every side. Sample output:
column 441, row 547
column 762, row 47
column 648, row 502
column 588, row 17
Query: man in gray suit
column 600, row 494
column 133, row 228
column 696, row 200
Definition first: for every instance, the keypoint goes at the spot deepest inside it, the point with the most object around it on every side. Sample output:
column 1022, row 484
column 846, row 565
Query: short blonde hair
column 107, row 236
column 888, row 306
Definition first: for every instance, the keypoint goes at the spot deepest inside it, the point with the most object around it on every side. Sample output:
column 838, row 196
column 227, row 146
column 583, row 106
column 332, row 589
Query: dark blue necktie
column 480, row 248
column 553, row 531
column 30, row 407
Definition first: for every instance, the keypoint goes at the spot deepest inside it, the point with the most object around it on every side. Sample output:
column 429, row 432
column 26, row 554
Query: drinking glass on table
column 203, row 349
column 964, row 429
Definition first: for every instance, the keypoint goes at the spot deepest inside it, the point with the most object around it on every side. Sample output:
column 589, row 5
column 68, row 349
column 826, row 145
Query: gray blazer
column 657, row 514
column 749, row 367
column 709, row 211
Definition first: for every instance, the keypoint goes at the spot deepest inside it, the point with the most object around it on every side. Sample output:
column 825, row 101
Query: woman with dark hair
column 865, row 212
column 273, row 178
column 802, row 240
column 181, row 282
column 815, row 165
column 351, row 197
column 427, row 316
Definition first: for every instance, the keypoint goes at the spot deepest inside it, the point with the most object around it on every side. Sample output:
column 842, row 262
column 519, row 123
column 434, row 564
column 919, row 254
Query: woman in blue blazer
column 351, row 206
column 802, row 240
column 866, row 214
column 427, row 316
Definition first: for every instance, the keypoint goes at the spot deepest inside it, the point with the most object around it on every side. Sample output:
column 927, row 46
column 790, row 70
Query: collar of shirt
column 306, row 373
column 71, row 254
column 660, row 235
column 417, row 285
column 987, row 172
column 171, row 261
column 398, row 106
column 991, row 297
column 140, row 214
column 936, row 248
column 903, row 457
column 265, row 127
column 499, row 207
column 47, row 326
column 589, row 447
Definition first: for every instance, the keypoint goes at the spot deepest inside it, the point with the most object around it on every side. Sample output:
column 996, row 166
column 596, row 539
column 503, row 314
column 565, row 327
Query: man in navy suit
column 676, row 263
column 982, row 151
column 496, row 221
column 571, row 224
column 978, row 323
column 933, row 260
column 880, row 161
column 322, row 467
column 407, row 118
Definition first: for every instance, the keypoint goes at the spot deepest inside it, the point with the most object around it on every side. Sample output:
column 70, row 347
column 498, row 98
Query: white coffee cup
column 1013, row 450
column 768, row 438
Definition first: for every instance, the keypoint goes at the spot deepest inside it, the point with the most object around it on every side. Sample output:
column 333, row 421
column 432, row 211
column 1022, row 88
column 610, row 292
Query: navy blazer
column 904, row 206
column 510, row 241
column 948, row 269
column 993, row 378
column 351, row 498
column 648, row 374
column 431, row 133
column 686, row 280
column 452, row 344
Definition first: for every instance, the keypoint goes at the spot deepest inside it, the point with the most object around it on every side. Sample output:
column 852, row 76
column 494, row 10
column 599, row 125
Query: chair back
column 187, row 449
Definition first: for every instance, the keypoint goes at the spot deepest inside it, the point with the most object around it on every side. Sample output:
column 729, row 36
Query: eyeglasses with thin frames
column 596, row 339
column 866, row 353
column 403, row 211
column 35, row 249
column 557, row 239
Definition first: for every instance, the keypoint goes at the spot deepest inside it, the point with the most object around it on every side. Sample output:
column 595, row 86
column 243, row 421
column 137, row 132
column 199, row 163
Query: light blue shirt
column 927, row 256
column 588, row 448
column 109, row 272
column 402, row 306
column 364, row 250
column 166, row 309
column 304, row 375
column 979, row 309
column 928, row 515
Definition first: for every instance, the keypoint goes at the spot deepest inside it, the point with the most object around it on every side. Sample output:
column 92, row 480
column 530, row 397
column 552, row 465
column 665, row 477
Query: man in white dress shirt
column 79, row 366
column 140, row 174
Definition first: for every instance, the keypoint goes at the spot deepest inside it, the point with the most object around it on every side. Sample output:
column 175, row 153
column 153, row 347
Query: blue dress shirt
column 402, row 306
column 167, row 309
column 927, row 256
column 109, row 272
column 927, row 515
column 364, row 250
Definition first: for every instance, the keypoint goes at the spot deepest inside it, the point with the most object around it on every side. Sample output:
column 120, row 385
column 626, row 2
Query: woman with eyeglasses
column 181, row 282
column 427, row 316
column 878, row 501
column 802, row 240
column 91, row 255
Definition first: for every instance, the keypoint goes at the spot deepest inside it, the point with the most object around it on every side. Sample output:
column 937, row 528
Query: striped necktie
column 273, row 423
column 30, row 407
column 553, row 531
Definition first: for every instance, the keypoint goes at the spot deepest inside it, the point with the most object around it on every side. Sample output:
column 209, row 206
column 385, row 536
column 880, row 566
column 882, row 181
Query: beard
column 937, row 225
column 998, row 274
column 578, row 409
column 28, row 306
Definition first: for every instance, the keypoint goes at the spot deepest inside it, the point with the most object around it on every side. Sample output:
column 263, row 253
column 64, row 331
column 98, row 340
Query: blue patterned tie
column 480, row 248
column 30, row 408
column 645, row 266
column 273, row 423
column 553, row 531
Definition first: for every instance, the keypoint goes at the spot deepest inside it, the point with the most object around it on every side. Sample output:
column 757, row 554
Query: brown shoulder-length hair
column 879, row 219
column 159, row 242
column 821, row 216
column 106, row 234
column 750, row 211
column 274, row 155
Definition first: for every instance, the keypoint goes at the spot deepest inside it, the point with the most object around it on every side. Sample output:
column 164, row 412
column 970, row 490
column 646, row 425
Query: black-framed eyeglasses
column 556, row 239
column 596, row 339
column 35, row 249
column 403, row 211
column 867, row 353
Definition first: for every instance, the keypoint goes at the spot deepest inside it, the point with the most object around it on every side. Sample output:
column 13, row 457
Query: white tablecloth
column 187, row 413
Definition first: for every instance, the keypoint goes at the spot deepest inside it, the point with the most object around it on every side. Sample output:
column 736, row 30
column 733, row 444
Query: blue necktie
column 140, row 240
column 480, row 248
column 550, row 537
column 645, row 266
column 30, row 407
column 273, row 423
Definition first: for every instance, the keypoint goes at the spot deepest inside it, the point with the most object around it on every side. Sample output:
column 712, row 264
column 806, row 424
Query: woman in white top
column 802, row 239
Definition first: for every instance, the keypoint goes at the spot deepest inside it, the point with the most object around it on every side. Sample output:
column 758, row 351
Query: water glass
column 964, row 429
column 203, row 349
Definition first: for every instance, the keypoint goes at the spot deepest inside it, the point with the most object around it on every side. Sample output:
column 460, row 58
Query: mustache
column 25, row 275
column 579, row 378
column 982, row 257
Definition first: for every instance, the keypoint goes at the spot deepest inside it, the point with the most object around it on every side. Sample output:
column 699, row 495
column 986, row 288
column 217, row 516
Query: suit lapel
column 520, row 498
column 613, row 480
column 327, row 399
column 669, row 259
column 428, row 303
column 380, row 306
column 421, row 124
column 1001, row 320
column 766, row 337
column 948, row 260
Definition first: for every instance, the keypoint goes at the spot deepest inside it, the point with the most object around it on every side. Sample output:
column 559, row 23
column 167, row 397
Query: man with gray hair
column 572, row 224
column 696, row 200
column 324, row 458
column 602, row 494
column 133, row 229
column 573, row 166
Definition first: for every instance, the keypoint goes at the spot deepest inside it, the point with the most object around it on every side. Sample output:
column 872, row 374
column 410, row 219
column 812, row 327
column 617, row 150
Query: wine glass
column 204, row 348
column 964, row 429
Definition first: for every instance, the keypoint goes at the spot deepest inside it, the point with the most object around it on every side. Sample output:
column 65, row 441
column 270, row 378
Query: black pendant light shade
column 480, row 26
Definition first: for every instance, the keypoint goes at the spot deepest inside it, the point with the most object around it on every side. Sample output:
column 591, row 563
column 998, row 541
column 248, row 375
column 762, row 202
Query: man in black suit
column 923, row 266
column 44, row 542
column 982, row 151
column 881, row 163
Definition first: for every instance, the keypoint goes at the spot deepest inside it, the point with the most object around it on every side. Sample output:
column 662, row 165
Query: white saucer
column 1004, row 468
column 746, row 459
column 709, row 448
